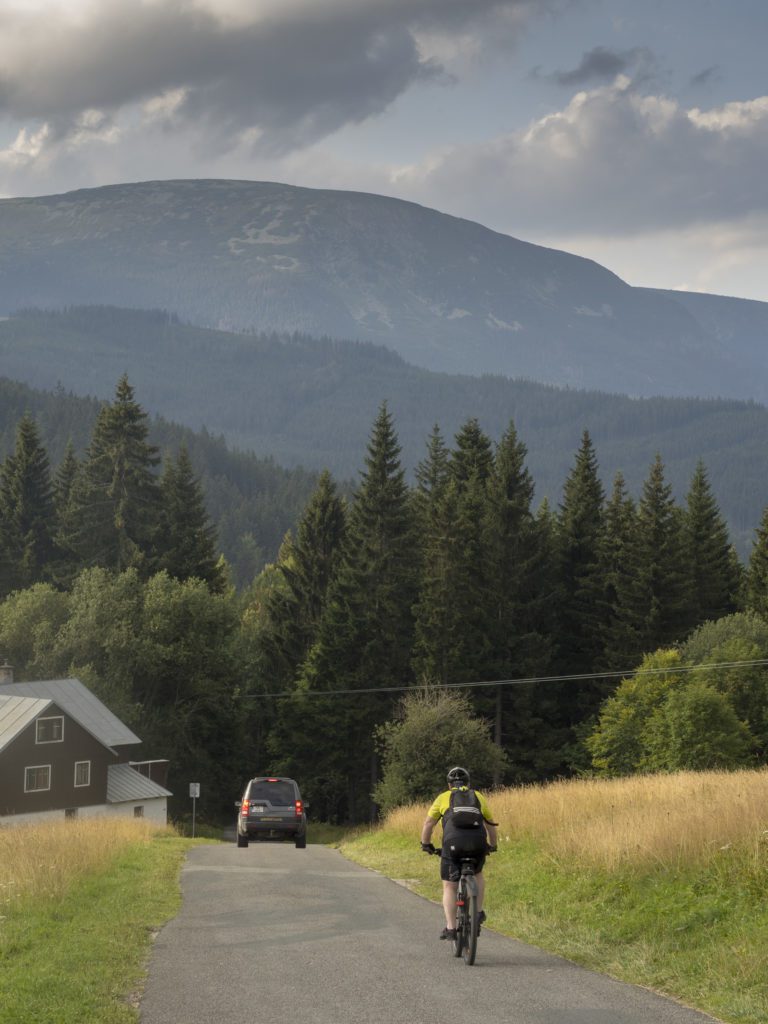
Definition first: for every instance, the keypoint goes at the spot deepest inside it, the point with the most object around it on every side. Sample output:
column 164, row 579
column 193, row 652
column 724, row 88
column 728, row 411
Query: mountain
column 445, row 293
column 311, row 402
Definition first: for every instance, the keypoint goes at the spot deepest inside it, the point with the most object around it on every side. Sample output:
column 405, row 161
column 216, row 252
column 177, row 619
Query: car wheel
column 301, row 842
column 242, row 840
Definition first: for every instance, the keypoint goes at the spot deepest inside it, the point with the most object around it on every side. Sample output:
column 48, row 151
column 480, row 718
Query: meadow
column 79, row 904
column 659, row 880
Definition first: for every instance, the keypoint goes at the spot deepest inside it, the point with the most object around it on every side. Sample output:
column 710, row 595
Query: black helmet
column 458, row 777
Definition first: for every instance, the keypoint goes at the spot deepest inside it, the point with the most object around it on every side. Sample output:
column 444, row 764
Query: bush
column 696, row 728
column 433, row 731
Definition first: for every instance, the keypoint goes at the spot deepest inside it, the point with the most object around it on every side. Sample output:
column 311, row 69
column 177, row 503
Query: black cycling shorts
column 450, row 867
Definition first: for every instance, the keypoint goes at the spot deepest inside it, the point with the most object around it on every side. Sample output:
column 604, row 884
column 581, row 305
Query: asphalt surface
column 271, row 933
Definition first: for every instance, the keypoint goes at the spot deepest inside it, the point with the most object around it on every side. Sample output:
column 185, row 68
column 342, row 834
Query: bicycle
column 467, row 914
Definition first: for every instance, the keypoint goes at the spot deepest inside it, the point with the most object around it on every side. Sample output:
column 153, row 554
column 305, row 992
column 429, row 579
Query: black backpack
column 465, row 810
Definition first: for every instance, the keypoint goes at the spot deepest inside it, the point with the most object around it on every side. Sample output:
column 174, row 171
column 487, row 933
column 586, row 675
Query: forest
column 308, row 402
column 604, row 635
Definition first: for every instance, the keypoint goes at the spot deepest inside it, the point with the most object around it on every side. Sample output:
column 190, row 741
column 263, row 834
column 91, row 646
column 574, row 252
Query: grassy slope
column 694, row 928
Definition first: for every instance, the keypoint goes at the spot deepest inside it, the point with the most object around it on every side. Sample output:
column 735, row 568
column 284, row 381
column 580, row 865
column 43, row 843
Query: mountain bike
column 467, row 914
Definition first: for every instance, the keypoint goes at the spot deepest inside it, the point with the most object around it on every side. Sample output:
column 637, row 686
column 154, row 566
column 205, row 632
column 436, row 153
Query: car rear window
column 279, row 794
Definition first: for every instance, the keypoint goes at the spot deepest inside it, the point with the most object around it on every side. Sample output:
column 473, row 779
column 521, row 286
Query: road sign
column 194, row 789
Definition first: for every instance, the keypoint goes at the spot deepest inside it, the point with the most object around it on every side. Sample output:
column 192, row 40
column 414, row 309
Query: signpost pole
column 194, row 792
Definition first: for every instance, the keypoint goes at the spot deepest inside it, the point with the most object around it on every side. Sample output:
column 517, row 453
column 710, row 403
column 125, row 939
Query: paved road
column 276, row 934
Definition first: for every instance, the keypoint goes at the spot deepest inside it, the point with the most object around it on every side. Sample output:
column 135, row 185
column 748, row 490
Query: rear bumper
column 274, row 832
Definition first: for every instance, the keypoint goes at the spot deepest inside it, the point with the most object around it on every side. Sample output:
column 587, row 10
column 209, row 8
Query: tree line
column 110, row 571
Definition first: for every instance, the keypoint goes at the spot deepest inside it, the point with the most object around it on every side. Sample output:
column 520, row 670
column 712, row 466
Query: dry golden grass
column 666, row 820
column 41, row 861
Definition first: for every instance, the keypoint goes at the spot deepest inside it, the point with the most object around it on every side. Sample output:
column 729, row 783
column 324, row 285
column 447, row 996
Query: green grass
column 81, row 959
column 697, row 935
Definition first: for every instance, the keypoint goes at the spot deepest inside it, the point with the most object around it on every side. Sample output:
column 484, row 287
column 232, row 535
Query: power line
column 529, row 680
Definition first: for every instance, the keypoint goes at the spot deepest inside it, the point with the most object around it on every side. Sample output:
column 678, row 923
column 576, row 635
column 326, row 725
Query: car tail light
column 273, row 780
column 299, row 808
column 245, row 805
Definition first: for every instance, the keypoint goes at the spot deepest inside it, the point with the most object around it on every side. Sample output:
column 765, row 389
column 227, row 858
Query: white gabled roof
column 125, row 784
column 16, row 713
column 78, row 702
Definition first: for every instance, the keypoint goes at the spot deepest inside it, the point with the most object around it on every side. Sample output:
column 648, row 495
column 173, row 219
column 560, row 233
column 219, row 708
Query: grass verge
column 76, row 954
column 693, row 927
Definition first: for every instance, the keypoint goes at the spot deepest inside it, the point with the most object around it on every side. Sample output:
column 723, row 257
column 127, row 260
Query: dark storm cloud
column 293, row 71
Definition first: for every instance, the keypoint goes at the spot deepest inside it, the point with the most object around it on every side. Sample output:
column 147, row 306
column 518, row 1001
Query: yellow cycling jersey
column 443, row 802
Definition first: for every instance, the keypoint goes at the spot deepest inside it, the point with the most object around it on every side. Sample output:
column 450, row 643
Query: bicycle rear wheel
column 461, row 919
column 471, row 924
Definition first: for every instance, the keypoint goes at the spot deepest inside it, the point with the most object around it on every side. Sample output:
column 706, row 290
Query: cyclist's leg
column 449, row 903
column 480, row 880
column 450, row 879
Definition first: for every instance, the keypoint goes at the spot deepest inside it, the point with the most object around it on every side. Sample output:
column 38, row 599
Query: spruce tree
column 519, row 645
column 26, row 512
column 580, row 538
column 757, row 573
column 366, row 630
column 473, row 454
column 66, row 562
column 618, row 562
column 186, row 544
column 653, row 607
column 117, row 495
column 714, row 573
column 305, row 568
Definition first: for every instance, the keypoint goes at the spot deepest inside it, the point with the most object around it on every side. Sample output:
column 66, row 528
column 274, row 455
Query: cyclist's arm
column 490, row 825
column 434, row 814
column 427, row 829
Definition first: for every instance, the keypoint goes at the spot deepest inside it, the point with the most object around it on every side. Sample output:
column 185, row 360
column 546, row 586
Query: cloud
column 602, row 65
column 290, row 71
column 613, row 161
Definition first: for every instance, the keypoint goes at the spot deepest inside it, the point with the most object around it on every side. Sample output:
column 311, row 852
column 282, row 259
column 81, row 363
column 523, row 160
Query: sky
column 633, row 133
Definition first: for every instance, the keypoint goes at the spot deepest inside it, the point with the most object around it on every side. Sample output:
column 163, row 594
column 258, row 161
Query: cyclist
column 457, row 843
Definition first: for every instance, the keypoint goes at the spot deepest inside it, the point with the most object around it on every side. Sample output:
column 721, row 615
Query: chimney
column 6, row 673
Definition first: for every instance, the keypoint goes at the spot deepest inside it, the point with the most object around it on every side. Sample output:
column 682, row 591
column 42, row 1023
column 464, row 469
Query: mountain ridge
column 446, row 293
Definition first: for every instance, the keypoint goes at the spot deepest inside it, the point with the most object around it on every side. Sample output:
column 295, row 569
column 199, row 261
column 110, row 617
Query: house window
column 37, row 778
column 82, row 773
column 50, row 730
column 138, row 812
column 70, row 812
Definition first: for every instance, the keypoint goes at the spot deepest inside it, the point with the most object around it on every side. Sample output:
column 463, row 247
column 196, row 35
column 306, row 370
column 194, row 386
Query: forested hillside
column 308, row 402
column 252, row 501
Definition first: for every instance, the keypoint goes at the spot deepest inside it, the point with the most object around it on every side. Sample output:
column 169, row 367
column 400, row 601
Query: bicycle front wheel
column 471, row 924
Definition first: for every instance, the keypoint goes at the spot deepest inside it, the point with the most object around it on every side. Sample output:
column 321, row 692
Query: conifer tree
column 66, row 563
column 473, row 453
column 186, row 546
column 580, row 539
column 26, row 512
column 757, row 573
column 618, row 563
column 518, row 586
column 652, row 608
column 117, row 495
column 366, row 630
column 306, row 568
column 431, row 478
column 713, row 570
